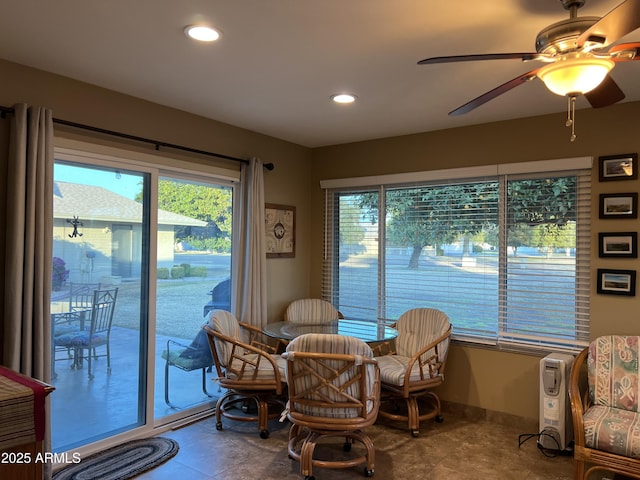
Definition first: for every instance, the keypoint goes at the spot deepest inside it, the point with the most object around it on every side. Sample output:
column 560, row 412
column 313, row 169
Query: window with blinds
column 506, row 256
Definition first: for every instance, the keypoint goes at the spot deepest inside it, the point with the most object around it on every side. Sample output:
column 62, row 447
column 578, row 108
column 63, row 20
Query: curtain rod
column 156, row 143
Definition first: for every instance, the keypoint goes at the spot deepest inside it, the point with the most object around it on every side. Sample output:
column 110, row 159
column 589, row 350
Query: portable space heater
column 556, row 427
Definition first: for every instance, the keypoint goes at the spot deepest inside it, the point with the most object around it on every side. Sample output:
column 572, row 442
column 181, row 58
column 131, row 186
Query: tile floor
column 466, row 446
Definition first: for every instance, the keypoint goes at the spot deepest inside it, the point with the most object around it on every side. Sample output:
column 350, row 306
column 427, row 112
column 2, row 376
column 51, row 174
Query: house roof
column 97, row 203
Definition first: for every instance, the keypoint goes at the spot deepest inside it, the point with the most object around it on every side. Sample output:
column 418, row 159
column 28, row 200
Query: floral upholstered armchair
column 605, row 407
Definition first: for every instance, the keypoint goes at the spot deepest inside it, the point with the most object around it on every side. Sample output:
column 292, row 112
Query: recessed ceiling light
column 343, row 98
column 202, row 33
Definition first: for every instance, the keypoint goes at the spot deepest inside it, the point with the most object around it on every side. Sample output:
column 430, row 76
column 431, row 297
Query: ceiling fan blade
column 490, row 95
column 623, row 19
column 619, row 52
column 605, row 94
column 482, row 56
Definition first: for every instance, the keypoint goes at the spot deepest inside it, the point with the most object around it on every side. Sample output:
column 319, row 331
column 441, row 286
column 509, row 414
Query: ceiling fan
column 578, row 56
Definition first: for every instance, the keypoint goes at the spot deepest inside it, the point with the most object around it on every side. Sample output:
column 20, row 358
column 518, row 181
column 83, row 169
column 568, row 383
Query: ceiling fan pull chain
column 571, row 116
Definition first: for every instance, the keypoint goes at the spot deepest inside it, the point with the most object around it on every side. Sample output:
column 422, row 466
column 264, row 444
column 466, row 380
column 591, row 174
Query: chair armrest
column 439, row 365
column 255, row 336
column 385, row 347
column 579, row 399
column 174, row 342
column 167, row 353
column 244, row 349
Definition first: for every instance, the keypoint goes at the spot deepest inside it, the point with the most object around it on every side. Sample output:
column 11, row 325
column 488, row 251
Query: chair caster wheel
column 368, row 473
column 264, row 434
column 415, row 433
column 219, row 426
column 439, row 418
column 346, row 447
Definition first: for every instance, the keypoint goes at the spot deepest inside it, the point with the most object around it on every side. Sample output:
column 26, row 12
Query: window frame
column 580, row 166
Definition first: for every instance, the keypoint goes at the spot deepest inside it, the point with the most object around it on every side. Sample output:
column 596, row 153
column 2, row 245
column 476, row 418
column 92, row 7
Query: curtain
column 251, row 281
column 28, row 240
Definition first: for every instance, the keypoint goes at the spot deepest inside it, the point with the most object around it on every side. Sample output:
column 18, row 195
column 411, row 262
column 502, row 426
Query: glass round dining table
column 368, row 332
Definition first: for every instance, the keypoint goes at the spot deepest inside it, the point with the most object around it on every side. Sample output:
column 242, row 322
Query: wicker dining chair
column 334, row 391
column 311, row 310
column 246, row 369
column 605, row 407
column 411, row 372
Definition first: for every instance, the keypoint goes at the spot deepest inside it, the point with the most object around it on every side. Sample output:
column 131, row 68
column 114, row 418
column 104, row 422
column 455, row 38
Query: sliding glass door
column 99, row 289
column 139, row 257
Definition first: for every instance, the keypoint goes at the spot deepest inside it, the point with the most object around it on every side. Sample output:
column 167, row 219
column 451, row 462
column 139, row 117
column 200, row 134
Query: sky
column 123, row 183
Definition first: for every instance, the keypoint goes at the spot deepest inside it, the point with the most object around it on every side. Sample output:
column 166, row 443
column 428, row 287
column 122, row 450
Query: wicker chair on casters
column 334, row 394
column 606, row 408
column 246, row 369
column 311, row 310
column 416, row 367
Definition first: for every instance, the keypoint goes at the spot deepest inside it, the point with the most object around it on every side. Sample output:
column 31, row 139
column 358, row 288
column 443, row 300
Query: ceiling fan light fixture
column 575, row 75
column 202, row 33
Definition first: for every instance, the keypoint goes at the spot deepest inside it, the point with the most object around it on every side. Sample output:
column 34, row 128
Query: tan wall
column 489, row 379
column 494, row 380
column 82, row 103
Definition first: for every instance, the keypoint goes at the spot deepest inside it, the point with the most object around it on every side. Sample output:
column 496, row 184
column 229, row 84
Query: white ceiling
column 279, row 61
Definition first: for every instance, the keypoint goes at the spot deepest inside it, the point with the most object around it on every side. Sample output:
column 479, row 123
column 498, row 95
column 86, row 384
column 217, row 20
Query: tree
column 209, row 204
column 434, row 215
column 351, row 232
column 441, row 214
column 542, row 201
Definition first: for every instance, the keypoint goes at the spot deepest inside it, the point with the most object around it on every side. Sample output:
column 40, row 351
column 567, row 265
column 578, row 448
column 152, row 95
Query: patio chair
column 247, row 369
column 94, row 335
column 416, row 367
column 71, row 320
column 81, row 296
column 195, row 356
column 334, row 391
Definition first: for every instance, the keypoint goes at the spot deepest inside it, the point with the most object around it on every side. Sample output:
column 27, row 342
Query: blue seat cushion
column 80, row 339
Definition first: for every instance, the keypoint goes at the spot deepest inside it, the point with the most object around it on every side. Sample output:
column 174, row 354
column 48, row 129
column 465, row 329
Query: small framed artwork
column 280, row 230
column 619, row 205
column 617, row 282
column 620, row 245
column 619, row 167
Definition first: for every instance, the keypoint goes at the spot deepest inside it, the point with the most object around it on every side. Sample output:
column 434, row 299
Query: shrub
column 177, row 272
column 187, row 269
column 198, row 272
column 163, row 273
column 59, row 274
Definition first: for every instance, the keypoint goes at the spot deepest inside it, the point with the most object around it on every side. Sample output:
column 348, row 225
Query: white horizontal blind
column 439, row 245
column 484, row 250
column 546, row 263
column 351, row 266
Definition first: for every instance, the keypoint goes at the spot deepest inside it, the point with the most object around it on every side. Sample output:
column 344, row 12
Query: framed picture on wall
column 280, row 230
column 618, row 244
column 619, row 167
column 616, row 282
column 619, row 205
